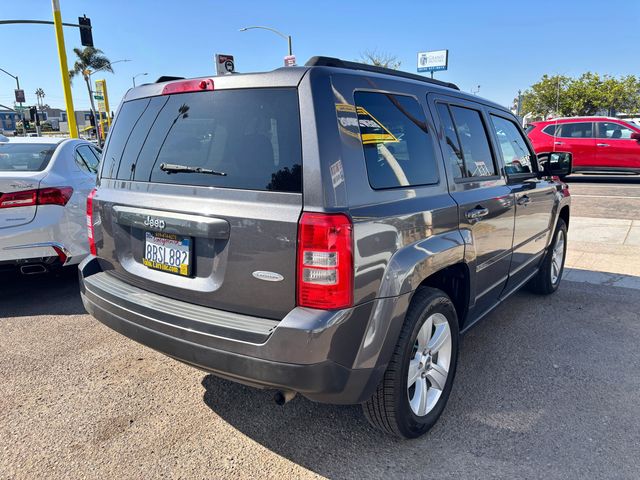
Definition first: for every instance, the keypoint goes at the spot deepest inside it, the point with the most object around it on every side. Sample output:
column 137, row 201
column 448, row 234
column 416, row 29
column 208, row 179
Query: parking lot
column 546, row 386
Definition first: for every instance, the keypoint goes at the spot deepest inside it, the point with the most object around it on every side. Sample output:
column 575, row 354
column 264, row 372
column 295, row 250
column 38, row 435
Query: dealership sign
column 433, row 61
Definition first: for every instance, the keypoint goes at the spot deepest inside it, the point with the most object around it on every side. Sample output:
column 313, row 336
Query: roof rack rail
column 336, row 62
column 167, row 78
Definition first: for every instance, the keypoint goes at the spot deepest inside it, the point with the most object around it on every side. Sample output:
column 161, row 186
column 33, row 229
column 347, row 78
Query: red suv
column 597, row 143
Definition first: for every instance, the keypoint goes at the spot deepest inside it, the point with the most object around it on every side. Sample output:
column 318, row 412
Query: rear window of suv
column 251, row 135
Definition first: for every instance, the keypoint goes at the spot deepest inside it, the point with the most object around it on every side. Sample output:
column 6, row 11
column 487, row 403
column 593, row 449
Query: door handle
column 558, row 143
column 477, row 213
column 602, row 144
column 524, row 200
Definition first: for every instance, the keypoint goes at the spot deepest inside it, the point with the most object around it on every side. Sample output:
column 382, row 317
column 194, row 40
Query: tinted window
column 397, row 141
column 515, row 152
column 25, row 157
column 575, row 130
column 251, row 135
column 86, row 159
column 528, row 128
column 550, row 129
column 478, row 161
column 613, row 130
column 453, row 152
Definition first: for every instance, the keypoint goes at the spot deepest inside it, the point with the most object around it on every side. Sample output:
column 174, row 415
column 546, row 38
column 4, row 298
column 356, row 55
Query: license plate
column 168, row 253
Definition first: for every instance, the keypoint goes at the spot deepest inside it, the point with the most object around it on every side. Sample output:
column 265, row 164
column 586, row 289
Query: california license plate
column 168, row 252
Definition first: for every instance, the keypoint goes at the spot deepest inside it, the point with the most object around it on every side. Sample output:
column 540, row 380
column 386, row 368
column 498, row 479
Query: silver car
column 44, row 184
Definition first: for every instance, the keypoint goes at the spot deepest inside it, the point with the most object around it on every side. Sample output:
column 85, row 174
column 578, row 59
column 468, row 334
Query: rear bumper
column 34, row 242
column 316, row 353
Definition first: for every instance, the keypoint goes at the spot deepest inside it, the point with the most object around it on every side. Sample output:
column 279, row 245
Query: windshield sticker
column 359, row 123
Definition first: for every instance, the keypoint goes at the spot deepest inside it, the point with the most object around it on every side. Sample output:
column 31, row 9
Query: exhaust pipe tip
column 281, row 397
column 34, row 269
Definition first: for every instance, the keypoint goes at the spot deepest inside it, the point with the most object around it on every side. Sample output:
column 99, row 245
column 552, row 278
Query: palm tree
column 90, row 60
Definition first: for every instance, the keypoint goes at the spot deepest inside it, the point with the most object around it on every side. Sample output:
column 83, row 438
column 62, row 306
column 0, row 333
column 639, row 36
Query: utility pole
column 64, row 69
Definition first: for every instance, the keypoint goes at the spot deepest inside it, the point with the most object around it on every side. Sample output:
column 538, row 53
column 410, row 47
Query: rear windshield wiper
column 170, row 168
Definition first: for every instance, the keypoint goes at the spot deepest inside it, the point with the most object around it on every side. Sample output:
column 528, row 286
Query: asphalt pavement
column 547, row 387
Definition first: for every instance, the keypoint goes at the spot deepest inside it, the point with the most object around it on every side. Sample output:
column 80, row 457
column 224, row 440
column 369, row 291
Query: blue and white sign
column 433, row 61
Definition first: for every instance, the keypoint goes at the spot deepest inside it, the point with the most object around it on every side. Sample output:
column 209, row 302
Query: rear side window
column 515, row 152
column 613, row 130
column 397, row 142
column 87, row 159
column 469, row 150
column 251, row 135
column 551, row 129
column 25, row 157
column 575, row 130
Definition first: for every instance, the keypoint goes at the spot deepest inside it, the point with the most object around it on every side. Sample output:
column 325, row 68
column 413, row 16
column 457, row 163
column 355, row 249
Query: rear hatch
column 22, row 168
column 223, row 236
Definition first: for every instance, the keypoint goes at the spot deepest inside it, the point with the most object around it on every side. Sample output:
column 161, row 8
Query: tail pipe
column 33, row 269
column 283, row 396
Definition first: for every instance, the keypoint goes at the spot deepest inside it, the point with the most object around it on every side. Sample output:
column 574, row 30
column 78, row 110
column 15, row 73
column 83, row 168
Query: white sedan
column 44, row 184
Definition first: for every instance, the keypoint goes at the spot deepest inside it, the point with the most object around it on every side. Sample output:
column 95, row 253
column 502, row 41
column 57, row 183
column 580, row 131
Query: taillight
column 92, row 240
column 184, row 86
column 54, row 196
column 325, row 261
column 43, row 196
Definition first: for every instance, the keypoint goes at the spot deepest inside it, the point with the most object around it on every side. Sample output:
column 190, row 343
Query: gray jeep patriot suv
column 328, row 230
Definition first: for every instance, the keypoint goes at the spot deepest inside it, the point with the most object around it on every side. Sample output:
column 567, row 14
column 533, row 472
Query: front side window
column 474, row 144
column 613, row 131
column 397, row 142
column 575, row 130
column 515, row 152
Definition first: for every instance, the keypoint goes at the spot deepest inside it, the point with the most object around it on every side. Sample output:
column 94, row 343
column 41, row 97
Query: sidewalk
column 604, row 251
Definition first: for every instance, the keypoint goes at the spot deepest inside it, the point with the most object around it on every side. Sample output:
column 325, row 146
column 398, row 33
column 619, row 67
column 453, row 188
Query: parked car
column 328, row 230
column 598, row 144
column 44, row 184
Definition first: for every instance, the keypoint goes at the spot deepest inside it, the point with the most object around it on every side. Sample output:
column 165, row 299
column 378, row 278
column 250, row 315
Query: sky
column 502, row 46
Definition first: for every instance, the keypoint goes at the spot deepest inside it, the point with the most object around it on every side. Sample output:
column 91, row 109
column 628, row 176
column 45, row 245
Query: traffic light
column 86, row 35
column 34, row 116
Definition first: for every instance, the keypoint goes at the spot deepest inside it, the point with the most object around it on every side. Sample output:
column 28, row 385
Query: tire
column 547, row 279
column 389, row 408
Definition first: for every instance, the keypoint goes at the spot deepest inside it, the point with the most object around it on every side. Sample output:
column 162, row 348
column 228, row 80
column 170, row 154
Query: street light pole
column 277, row 32
column 133, row 79
column 64, row 69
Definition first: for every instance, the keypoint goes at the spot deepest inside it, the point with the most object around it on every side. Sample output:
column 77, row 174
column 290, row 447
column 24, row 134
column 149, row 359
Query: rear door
column 485, row 202
column 579, row 139
column 22, row 168
column 225, row 236
column 615, row 148
column 534, row 198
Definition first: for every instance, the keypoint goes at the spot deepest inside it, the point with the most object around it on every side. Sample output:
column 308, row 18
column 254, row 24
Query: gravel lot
column 546, row 387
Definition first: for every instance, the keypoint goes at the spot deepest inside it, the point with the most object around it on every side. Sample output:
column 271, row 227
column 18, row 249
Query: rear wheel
column 416, row 385
column 548, row 277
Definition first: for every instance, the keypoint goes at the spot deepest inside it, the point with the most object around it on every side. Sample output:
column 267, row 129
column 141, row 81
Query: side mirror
column 556, row 164
column 635, row 136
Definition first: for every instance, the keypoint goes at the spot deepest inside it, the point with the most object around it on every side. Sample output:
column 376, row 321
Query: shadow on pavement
column 46, row 294
column 527, row 401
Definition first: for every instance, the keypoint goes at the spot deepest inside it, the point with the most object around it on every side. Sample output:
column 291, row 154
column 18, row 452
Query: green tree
column 89, row 60
column 380, row 59
column 589, row 94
